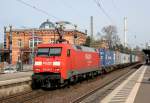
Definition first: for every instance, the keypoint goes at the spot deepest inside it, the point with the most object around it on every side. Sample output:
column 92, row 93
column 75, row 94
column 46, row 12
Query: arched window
column 36, row 42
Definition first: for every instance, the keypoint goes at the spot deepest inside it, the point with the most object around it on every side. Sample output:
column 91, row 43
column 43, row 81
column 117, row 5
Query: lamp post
column 75, row 35
column 32, row 46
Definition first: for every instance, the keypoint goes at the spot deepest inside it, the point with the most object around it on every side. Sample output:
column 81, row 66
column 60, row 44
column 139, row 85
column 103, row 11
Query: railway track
column 61, row 95
column 22, row 97
column 110, row 86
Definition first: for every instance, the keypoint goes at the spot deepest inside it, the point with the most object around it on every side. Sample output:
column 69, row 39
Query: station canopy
column 146, row 51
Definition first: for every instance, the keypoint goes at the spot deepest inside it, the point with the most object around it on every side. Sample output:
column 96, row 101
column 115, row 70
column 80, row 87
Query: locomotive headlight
column 38, row 63
column 56, row 63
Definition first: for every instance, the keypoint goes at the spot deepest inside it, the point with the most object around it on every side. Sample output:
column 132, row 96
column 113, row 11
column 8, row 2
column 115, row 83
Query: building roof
column 47, row 25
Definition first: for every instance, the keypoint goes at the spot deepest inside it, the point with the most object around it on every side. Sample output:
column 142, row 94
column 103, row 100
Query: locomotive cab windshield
column 53, row 51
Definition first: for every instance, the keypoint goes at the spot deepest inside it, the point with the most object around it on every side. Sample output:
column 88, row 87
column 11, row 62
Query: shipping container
column 121, row 58
column 125, row 58
column 132, row 58
column 107, row 57
column 117, row 57
column 102, row 56
column 128, row 58
column 136, row 58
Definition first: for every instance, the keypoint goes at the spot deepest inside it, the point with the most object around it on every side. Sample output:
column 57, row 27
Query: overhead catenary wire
column 99, row 4
column 38, row 9
column 76, row 12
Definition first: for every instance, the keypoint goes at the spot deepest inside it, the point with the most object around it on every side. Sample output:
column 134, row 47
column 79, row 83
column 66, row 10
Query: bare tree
column 111, row 35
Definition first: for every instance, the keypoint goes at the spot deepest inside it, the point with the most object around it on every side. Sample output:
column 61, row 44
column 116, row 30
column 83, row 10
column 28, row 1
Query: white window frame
column 20, row 43
column 36, row 42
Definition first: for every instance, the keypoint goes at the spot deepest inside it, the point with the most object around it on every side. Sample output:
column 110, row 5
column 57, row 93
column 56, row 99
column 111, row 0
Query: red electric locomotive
column 57, row 64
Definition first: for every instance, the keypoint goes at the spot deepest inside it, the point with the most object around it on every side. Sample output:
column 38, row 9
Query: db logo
column 88, row 56
column 47, row 63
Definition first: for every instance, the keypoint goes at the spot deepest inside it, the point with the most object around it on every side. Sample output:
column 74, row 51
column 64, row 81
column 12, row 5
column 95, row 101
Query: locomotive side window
column 55, row 51
column 68, row 52
column 43, row 52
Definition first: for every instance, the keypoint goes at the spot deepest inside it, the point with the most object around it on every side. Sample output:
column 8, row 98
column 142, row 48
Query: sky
column 19, row 15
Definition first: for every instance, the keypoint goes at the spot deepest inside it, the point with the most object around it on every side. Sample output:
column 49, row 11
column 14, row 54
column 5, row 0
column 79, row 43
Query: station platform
column 135, row 89
column 17, row 75
column 14, row 78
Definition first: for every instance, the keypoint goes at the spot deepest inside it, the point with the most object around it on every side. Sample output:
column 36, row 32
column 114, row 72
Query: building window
column 36, row 42
column 20, row 43
column 52, row 40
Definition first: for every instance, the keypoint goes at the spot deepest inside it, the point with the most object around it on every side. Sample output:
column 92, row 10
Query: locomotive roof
column 76, row 47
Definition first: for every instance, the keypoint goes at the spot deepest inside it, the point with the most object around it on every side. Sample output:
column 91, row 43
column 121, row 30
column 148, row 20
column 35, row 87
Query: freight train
column 59, row 64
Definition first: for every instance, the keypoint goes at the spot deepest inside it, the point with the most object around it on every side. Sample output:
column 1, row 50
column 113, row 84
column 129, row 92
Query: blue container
column 102, row 53
column 107, row 57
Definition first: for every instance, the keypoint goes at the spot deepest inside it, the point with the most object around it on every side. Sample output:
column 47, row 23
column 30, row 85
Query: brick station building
column 19, row 42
